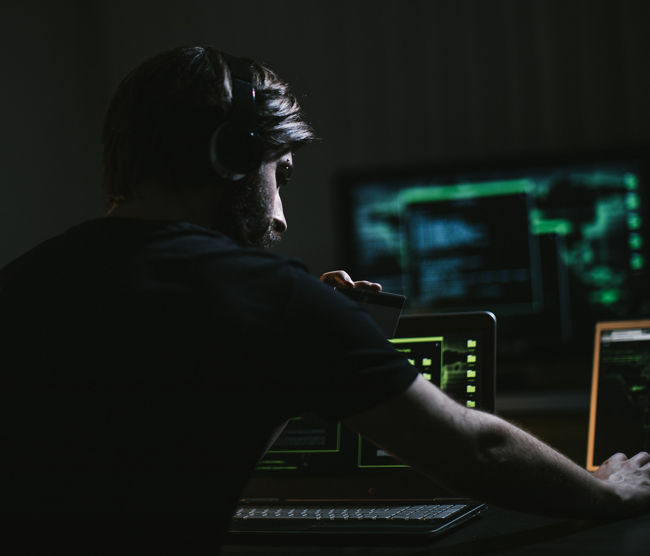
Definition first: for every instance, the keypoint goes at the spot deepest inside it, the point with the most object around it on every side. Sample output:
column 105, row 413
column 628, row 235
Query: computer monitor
column 619, row 410
column 549, row 244
column 455, row 351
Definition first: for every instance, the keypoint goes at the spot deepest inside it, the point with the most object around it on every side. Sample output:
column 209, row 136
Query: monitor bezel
column 600, row 328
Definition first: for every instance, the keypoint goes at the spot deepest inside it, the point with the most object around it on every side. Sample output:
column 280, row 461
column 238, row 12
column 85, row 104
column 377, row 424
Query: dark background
column 383, row 82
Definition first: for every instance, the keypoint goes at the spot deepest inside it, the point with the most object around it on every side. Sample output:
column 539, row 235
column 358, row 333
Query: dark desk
column 498, row 531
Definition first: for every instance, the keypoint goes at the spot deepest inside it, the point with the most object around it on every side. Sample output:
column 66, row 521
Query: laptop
column 619, row 407
column 320, row 483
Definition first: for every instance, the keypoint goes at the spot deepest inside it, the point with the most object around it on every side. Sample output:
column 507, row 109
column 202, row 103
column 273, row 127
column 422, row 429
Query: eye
column 283, row 173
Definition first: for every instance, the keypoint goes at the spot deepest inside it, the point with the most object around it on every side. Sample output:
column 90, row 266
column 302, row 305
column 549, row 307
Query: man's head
column 158, row 132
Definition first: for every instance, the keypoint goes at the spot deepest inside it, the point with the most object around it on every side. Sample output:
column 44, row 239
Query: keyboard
column 403, row 522
column 418, row 512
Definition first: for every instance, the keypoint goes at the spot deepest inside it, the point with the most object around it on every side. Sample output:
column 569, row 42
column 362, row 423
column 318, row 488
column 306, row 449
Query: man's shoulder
column 211, row 248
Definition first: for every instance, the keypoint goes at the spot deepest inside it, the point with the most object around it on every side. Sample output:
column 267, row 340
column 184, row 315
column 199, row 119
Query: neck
column 197, row 206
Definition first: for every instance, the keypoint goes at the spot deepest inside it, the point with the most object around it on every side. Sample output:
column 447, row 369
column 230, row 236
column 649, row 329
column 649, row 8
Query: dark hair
column 160, row 120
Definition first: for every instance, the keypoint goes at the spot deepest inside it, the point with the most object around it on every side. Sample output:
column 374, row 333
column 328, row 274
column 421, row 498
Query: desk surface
column 498, row 531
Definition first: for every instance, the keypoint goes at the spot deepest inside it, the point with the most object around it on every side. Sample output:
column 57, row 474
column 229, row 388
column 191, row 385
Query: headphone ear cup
column 235, row 152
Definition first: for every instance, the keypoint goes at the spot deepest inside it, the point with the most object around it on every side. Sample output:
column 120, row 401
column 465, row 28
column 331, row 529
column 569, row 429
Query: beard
column 245, row 215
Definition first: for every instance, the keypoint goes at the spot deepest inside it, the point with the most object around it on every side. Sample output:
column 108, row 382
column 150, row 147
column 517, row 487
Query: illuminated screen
column 620, row 404
column 549, row 246
column 310, row 445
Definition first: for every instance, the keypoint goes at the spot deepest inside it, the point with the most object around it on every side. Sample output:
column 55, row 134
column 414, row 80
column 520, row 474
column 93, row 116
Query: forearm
column 513, row 469
column 481, row 456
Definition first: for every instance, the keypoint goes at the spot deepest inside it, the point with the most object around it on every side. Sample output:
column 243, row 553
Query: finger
column 337, row 278
column 615, row 459
column 641, row 458
column 365, row 284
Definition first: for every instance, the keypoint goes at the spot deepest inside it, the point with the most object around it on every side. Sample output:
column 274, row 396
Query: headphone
column 236, row 148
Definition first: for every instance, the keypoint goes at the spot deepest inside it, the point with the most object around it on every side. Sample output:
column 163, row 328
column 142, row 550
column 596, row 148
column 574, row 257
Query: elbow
column 478, row 458
column 491, row 445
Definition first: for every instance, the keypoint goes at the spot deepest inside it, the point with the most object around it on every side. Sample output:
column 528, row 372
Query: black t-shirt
column 150, row 360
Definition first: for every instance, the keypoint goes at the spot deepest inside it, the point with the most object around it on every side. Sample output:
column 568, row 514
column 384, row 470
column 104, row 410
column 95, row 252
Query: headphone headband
column 243, row 91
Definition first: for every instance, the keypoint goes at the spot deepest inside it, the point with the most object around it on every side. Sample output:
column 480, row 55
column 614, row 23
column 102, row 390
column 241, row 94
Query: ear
column 235, row 151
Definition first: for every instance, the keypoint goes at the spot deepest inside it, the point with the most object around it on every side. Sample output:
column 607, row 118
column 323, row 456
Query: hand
column 630, row 478
column 341, row 279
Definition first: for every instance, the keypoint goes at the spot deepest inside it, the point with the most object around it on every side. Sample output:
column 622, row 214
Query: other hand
column 341, row 279
column 630, row 478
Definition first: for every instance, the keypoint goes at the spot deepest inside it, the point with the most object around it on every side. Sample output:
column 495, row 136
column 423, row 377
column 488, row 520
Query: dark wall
column 384, row 83
column 50, row 110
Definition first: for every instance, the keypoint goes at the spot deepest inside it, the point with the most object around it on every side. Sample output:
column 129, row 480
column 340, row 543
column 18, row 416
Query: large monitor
column 549, row 244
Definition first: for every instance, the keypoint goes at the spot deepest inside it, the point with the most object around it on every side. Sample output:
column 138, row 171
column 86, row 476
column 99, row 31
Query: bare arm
column 489, row 459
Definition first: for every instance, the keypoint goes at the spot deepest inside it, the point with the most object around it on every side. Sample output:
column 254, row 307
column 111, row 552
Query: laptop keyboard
column 420, row 512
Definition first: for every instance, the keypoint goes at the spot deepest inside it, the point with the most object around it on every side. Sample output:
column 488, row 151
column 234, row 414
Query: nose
column 279, row 220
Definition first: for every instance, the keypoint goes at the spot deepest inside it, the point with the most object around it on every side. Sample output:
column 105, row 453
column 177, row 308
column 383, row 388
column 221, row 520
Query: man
column 148, row 344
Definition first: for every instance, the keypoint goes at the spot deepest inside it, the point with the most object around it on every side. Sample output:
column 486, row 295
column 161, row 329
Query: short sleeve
column 339, row 361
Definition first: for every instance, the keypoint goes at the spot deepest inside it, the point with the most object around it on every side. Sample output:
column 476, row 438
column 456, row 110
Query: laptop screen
column 455, row 351
column 619, row 416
